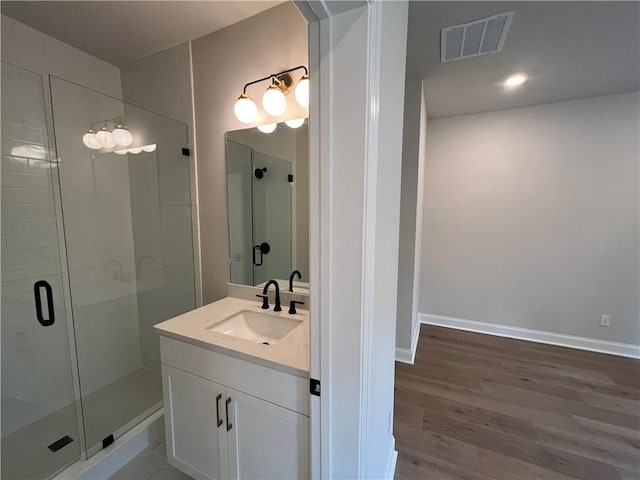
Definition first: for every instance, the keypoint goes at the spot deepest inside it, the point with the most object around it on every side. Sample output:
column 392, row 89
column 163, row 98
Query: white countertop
column 290, row 354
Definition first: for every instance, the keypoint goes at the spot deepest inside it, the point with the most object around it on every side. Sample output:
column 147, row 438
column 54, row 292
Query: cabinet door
column 195, row 443
column 266, row 440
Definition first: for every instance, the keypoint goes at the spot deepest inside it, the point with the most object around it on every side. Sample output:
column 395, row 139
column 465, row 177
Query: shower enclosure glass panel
column 271, row 216
column 239, row 176
column 127, row 220
column 38, row 402
column 259, row 196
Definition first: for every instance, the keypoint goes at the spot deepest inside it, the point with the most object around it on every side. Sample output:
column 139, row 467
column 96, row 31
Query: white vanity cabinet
column 229, row 418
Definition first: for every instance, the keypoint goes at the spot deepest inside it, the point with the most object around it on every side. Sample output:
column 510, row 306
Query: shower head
column 259, row 172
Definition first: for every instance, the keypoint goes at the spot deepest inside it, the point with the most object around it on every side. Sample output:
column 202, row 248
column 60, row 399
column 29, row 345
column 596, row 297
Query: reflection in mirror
column 268, row 205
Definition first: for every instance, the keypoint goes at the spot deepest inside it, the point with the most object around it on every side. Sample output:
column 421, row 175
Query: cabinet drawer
column 287, row 390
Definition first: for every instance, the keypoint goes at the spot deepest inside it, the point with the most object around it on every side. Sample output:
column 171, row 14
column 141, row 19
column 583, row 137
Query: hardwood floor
column 476, row 406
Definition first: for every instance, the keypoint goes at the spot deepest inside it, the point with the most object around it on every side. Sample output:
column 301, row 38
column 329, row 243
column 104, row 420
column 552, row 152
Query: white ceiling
column 121, row 32
column 569, row 50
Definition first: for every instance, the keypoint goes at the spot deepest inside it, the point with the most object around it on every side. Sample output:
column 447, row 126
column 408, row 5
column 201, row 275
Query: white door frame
column 344, row 38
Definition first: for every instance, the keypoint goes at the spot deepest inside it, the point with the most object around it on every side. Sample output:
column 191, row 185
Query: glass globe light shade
column 135, row 150
column 245, row 109
column 273, row 101
column 149, row 148
column 302, row 92
column 91, row 141
column 294, row 123
column 121, row 152
column 122, row 136
column 267, row 128
column 105, row 137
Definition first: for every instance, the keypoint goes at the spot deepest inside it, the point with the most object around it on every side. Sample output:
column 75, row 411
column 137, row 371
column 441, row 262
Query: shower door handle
column 49, row 292
column 263, row 249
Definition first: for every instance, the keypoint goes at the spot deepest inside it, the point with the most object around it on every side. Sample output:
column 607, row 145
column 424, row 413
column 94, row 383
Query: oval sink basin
column 256, row 326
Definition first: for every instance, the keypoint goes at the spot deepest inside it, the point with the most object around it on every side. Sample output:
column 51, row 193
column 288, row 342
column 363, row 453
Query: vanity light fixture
column 135, row 150
column 267, row 128
column 245, row 109
column 294, row 123
column 302, row 91
column 274, row 100
column 515, row 80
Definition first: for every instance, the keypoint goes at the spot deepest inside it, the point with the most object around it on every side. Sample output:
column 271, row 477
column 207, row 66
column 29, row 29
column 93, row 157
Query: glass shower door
column 272, row 217
column 127, row 220
column 39, row 410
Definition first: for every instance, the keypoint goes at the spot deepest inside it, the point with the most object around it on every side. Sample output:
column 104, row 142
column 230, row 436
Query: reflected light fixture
column 294, row 122
column 91, row 141
column 105, row 137
column 122, row 136
column 267, row 128
column 274, row 100
column 112, row 134
column 515, row 80
column 135, row 150
column 37, row 152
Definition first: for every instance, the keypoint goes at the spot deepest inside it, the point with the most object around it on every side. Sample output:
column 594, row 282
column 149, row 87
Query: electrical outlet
column 605, row 320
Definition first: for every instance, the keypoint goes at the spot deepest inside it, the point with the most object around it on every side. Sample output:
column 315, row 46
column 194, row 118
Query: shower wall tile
column 14, row 164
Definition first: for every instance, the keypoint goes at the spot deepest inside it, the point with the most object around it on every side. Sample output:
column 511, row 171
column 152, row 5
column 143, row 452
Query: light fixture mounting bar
column 114, row 121
column 275, row 75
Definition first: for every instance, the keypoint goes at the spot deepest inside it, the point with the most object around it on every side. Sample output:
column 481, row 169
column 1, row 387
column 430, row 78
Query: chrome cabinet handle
column 218, row 398
column 226, row 407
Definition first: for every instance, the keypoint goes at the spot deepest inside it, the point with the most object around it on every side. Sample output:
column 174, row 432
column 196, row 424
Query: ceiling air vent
column 472, row 39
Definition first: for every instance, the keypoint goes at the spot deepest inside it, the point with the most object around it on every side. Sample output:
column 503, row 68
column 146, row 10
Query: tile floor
column 151, row 464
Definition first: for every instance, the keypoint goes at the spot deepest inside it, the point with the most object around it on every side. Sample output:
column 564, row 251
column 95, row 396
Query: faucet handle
column 292, row 306
column 265, row 301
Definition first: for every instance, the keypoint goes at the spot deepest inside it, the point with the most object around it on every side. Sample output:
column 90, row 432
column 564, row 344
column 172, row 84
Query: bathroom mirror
column 268, row 204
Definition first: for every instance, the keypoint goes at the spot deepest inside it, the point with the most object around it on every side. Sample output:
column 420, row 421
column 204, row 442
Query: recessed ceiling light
column 515, row 80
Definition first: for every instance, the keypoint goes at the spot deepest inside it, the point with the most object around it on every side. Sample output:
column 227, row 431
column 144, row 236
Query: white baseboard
column 111, row 459
column 581, row 343
column 392, row 460
column 405, row 355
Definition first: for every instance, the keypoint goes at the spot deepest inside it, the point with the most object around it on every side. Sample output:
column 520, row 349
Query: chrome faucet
column 265, row 297
column 293, row 274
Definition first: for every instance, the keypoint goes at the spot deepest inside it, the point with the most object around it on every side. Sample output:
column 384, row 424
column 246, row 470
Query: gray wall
column 531, row 218
column 222, row 63
column 408, row 207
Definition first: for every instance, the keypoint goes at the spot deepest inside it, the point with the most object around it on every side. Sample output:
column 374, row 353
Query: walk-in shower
column 96, row 249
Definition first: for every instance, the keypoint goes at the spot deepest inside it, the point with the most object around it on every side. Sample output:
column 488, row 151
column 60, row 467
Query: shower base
column 113, row 409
